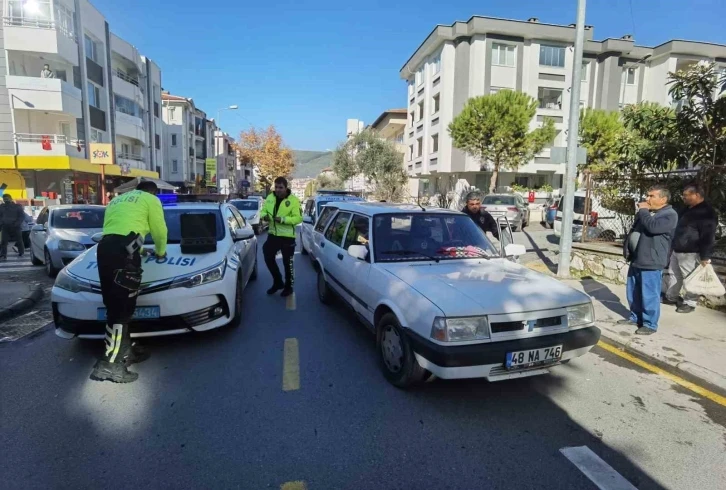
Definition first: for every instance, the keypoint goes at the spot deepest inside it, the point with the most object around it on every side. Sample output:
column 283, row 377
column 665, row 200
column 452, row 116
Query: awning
column 38, row 162
column 131, row 185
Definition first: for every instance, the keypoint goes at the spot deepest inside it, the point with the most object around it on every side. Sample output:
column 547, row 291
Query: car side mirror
column 514, row 250
column 243, row 233
column 97, row 237
column 38, row 228
column 359, row 252
column 308, row 219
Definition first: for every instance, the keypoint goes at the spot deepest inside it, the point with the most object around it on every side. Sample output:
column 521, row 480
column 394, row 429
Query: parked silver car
column 62, row 233
column 510, row 205
column 250, row 208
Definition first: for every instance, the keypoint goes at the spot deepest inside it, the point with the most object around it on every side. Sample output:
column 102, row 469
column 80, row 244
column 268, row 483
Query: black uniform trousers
column 272, row 246
column 115, row 267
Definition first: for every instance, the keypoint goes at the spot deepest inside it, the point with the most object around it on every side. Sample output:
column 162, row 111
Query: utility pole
column 568, row 202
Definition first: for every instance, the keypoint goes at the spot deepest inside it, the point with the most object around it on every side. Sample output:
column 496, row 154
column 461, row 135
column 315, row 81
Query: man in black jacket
column 647, row 248
column 480, row 216
column 692, row 246
column 12, row 216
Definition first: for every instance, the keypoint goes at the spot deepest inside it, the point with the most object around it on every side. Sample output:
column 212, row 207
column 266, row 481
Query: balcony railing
column 51, row 138
column 131, row 156
column 125, row 77
column 14, row 21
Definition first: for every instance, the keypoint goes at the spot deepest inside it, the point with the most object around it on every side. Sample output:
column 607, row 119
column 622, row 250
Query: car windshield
column 426, row 236
column 252, row 205
column 75, row 218
column 172, row 216
column 579, row 204
column 500, row 200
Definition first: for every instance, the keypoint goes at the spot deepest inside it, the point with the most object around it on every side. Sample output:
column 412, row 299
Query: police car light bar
column 168, row 199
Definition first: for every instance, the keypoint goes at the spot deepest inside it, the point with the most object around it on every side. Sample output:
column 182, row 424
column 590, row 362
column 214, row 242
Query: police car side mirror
column 359, row 252
column 243, row 233
column 97, row 237
column 37, row 228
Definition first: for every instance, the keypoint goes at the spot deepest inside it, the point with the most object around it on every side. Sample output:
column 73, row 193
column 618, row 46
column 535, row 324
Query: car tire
column 325, row 294
column 256, row 229
column 237, row 318
column 49, row 268
column 395, row 354
column 33, row 259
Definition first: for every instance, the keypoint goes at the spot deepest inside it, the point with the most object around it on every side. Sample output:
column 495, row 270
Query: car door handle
column 322, row 244
column 340, row 256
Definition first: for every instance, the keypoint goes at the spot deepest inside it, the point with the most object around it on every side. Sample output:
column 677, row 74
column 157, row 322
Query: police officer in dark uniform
column 128, row 219
column 480, row 216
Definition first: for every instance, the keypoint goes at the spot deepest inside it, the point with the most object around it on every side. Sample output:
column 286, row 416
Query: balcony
column 127, row 86
column 130, row 127
column 49, row 145
column 41, row 36
column 44, row 94
column 131, row 159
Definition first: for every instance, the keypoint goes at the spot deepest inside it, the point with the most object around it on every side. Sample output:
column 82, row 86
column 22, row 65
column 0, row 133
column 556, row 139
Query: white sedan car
column 442, row 300
column 181, row 293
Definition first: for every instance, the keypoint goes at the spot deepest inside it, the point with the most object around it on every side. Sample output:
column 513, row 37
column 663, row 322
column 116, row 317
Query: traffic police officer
column 129, row 218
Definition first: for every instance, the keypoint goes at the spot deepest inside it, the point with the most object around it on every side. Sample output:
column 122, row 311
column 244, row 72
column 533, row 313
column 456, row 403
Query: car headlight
column 460, row 329
column 212, row 274
column 70, row 246
column 71, row 283
column 580, row 315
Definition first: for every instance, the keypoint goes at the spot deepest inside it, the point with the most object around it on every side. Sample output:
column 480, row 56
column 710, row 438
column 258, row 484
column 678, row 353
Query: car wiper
column 411, row 252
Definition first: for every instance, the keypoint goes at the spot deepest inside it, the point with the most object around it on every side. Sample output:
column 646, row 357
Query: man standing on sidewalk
column 282, row 210
column 12, row 216
column 693, row 245
column 646, row 248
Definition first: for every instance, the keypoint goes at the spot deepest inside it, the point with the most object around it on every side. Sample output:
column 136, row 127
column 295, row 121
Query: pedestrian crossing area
column 17, row 264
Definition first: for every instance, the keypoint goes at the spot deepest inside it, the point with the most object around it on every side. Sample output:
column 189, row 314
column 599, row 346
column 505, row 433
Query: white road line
column 597, row 470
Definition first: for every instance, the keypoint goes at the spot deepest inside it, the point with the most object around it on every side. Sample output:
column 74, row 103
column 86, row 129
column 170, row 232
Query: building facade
column 179, row 167
column 485, row 55
column 67, row 81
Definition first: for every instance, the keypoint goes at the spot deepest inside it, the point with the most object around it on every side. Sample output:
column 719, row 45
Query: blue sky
column 307, row 66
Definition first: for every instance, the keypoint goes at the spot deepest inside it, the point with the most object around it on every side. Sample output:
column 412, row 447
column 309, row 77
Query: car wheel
column 253, row 276
column 237, row 318
column 256, row 229
column 397, row 361
column 325, row 295
column 49, row 268
column 33, row 259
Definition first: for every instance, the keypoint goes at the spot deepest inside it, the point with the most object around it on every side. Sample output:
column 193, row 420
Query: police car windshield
column 172, row 216
column 75, row 218
column 252, row 205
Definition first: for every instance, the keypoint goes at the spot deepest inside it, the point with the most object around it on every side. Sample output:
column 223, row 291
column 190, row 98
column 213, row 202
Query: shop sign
column 102, row 153
column 211, row 171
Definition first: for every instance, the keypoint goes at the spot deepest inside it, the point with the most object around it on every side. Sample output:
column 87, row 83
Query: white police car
column 181, row 293
column 311, row 213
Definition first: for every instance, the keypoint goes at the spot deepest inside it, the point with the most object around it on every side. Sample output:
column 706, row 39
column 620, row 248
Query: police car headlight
column 66, row 281
column 212, row 274
column 580, row 315
column 460, row 329
column 70, row 246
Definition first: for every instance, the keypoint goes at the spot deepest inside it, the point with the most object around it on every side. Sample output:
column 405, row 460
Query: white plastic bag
column 704, row 282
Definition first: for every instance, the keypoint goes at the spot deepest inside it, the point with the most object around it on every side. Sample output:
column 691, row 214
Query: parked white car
column 181, row 293
column 603, row 224
column 312, row 213
column 442, row 300
column 250, row 208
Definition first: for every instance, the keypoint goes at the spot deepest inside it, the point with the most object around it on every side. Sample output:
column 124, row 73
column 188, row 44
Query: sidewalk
column 18, row 297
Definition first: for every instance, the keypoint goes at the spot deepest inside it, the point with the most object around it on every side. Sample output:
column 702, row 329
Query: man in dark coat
column 12, row 216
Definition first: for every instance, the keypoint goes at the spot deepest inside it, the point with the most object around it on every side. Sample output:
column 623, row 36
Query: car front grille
column 552, row 321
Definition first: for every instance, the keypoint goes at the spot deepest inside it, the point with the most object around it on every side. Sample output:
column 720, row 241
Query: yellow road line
column 291, row 366
column 291, row 303
column 294, row 485
column 710, row 395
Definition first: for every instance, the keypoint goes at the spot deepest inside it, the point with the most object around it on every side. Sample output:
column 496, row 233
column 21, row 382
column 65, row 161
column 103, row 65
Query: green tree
column 495, row 129
column 377, row 160
column 601, row 134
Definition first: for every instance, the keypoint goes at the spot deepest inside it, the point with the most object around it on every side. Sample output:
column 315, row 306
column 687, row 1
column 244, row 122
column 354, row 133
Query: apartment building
column 179, row 166
column 484, row 55
column 67, row 81
column 228, row 175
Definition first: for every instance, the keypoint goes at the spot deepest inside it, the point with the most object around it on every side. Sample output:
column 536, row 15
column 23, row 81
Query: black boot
column 286, row 292
column 275, row 288
column 137, row 354
column 113, row 371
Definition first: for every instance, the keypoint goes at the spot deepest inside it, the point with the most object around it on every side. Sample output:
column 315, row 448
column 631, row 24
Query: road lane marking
column 291, row 366
column 291, row 302
column 699, row 390
column 598, row 471
column 294, row 485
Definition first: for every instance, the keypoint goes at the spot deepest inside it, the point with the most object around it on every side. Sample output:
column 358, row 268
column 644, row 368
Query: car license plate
column 140, row 313
column 535, row 357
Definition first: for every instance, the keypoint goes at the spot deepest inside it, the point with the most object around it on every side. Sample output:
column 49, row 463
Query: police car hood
column 174, row 265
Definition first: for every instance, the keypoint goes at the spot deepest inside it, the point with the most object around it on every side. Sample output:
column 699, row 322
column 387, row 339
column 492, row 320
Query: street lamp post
column 220, row 149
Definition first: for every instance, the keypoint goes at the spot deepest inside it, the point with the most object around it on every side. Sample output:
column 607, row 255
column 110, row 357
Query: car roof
column 373, row 208
column 76, row 206
column 501, row 194
column 194, row 205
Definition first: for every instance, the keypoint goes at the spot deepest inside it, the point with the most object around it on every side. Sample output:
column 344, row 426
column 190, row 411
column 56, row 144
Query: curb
column 23, row 304
column 686, row 370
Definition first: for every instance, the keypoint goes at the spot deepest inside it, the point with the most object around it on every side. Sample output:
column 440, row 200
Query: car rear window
column 500, row 200
column 78, row 218
column 173, row 223
column 579, row 206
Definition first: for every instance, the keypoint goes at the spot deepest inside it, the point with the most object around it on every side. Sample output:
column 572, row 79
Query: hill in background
column 311, row 163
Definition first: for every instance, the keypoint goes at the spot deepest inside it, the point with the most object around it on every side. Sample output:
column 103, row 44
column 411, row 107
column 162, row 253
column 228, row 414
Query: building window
column 436, row 65
column 91, row 48
column 420, row 76
column 420, row 110
column 411, row 118
column 420, row 147
column 494, row 90
column 552, row 56
column 585, row 70
column 630, row 80
column 96, row 136
column 94, row 95
column 435, row 105
column 435, row 143
column 411, row 87
column 157, row 141
column 410, row 152
column 173, row 140
column 550, row 98
column 503, row 54
column 174, row 166
column 64, row 20
column 19, row 13
column 127, row 106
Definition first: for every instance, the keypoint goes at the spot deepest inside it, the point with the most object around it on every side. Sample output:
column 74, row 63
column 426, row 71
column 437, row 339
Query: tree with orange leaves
column 266, row 151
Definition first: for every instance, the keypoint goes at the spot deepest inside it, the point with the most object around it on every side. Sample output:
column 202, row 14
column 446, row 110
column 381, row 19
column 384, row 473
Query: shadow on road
column 602, row 293
column 541, row 253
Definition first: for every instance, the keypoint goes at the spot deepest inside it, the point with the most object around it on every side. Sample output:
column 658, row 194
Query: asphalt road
column 209, row 411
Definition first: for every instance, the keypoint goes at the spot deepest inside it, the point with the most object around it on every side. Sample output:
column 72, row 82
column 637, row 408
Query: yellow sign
column 211, row 171
column 102, row 153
